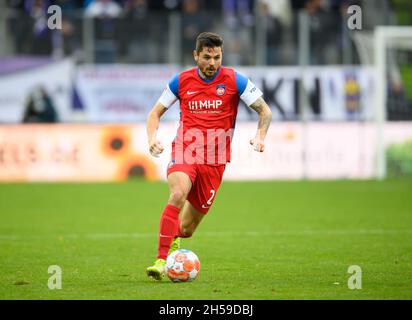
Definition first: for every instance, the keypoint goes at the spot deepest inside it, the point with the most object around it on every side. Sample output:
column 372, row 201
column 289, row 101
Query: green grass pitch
column 260, row 240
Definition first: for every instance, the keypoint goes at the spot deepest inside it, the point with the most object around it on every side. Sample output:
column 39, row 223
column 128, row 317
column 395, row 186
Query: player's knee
column 177, row 198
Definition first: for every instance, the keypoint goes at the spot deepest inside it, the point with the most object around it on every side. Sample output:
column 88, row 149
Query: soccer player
column 209, row 96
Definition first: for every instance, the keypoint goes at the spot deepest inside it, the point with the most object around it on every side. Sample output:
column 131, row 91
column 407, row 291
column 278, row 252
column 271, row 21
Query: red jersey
column 208, row 110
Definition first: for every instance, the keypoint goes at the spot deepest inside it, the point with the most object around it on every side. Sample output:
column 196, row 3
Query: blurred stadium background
column 111, row 59
column 73, row 104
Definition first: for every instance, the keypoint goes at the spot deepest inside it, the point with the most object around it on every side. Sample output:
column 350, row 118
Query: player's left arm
column 265, row 117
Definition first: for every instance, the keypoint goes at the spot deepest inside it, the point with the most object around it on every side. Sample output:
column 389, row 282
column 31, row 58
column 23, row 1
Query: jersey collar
column 210, row 80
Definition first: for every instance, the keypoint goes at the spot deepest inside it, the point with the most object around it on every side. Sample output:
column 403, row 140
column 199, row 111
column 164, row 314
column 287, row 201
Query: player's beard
column 208, row 73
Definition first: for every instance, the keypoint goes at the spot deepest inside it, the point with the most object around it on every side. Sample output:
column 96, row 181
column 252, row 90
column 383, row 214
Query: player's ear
column 195, row 56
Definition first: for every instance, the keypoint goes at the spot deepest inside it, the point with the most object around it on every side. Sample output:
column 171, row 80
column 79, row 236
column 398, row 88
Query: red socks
column 169, row 228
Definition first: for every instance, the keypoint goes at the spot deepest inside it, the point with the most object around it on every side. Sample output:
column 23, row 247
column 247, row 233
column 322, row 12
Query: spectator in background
column 324, row 30
column 238, row 32
column 277, row 15
column 238, row 12
column 40, row 107
column 16, row 4
column 86, row 3
column 105, row 12
column 136, row 39
column 136, row 9
column 213, row 5
column 297, row 4
column 40, row 40
column 162, row 5
column 103, row 9
column 193, row 23
column 71, row 41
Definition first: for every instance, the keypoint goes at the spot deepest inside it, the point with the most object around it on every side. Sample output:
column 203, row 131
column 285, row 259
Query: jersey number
column 209, row 202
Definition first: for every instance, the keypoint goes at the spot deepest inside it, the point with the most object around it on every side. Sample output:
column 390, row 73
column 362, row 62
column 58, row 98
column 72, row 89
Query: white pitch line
column 275, row 233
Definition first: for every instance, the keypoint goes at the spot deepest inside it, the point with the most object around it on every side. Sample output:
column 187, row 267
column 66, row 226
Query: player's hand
column 258, row 145
column 156, row 148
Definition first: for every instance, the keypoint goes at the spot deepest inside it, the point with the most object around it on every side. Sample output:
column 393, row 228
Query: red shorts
column 205, row 183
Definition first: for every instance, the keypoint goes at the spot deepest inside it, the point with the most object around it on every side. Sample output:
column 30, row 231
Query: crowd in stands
column 144, row 20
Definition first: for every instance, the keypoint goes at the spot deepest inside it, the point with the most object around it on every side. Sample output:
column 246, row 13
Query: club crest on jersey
column 220, row 89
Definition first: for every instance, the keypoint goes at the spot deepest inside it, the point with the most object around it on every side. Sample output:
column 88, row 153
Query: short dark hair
column 208, row 40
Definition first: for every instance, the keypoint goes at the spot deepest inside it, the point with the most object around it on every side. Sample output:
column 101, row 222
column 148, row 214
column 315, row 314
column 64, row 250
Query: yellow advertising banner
column 92, row 153
column 72, row 153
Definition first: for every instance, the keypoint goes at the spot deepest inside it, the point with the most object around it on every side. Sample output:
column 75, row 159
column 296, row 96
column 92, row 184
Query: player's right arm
column 153, row 120
column 168, row 97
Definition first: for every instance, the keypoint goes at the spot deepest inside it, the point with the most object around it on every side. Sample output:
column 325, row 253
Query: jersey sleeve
column 170, row 93
column 246, row 89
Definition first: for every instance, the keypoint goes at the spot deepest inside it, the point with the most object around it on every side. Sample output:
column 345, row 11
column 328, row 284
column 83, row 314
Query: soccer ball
column 182, row 265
